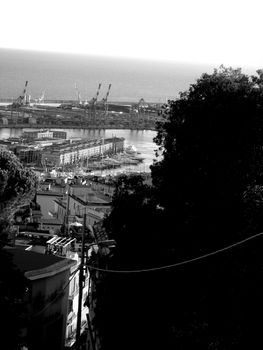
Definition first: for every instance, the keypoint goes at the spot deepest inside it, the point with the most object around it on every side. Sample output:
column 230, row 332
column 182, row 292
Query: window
column 73, row 284
column 70, row 305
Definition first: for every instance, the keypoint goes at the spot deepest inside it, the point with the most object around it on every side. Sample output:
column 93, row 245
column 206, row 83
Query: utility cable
column 179, row 263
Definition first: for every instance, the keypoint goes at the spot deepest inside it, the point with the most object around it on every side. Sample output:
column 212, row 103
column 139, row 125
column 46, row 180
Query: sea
column 58, row 75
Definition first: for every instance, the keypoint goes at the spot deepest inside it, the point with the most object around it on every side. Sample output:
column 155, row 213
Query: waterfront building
column 37, row 134
column 42, row 134
column 63, row 154
column 59, row 134
column 47, row 297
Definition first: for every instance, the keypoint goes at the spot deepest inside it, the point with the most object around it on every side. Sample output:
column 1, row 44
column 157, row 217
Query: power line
column 181, row 262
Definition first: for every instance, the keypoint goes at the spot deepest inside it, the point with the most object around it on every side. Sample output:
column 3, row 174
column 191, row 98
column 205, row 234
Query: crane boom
column 97, row 93
column 22, row 99
column 93, row 102
column 94, row 99
column 23, row 96
column 105, row 99
column 24, row 91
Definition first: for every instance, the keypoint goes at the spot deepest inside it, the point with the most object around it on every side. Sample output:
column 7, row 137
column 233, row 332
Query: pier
column 56, row 117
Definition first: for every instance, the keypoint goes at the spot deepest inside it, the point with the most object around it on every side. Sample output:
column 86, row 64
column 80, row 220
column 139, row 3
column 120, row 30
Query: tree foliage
column 206, row 194
column 136, row 226
column 16, row 183
column 16, row 187
column 212, row 152
column 134, row 216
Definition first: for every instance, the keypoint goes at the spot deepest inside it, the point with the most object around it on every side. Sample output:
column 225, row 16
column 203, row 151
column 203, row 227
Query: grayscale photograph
column 131, row 175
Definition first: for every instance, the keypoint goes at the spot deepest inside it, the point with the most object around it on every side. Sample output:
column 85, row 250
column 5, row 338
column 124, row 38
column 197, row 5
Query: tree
column 134, row 216
column 16, row 183
column 212, row 152
column 206, row 194
column 16, row 187
column 209, row 183
column 136, row 226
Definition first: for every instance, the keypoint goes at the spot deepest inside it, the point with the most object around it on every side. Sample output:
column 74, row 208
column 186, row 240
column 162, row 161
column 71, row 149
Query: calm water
column 57, row 74
column 141, row 139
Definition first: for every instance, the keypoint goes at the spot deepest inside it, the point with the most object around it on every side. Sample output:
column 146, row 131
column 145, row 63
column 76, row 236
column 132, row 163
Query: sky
column 191, row 31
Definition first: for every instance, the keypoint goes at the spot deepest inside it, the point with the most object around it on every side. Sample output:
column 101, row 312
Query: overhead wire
column 181, row 263
column 184, row 262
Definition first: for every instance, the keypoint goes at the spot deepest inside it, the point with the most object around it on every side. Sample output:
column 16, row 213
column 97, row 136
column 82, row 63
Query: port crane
column 104, row 101
column 41, row 98
column 142, row 106
column 23, row 99
column 93, row 102
column 78, row 95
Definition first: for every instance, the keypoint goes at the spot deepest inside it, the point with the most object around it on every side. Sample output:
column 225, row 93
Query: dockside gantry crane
column 78, row 95
column 93, row 102
column 41, row 98
column 142, row 106
column 22, row 100
column 104, row 101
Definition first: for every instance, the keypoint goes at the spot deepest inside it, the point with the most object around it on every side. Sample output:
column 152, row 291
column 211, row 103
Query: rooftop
column 50, row 221
column 90, row 198
column 37, row 265
column 28, row 261
column 87, row 199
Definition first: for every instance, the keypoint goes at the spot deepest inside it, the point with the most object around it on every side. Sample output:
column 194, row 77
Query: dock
column 45, row 116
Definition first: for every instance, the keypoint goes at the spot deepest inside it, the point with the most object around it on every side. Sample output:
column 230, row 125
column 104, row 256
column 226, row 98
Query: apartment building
column 46, row 298
column 70, row 153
